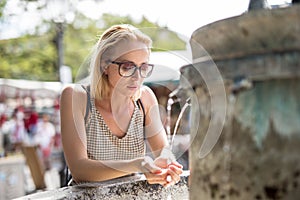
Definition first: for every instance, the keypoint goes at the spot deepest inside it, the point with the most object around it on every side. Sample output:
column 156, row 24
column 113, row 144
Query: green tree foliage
column 29, row 57
column 2, row 5
column 34, row 57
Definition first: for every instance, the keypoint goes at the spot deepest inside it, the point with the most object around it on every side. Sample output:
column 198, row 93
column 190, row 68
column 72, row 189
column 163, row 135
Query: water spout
column 168, row 123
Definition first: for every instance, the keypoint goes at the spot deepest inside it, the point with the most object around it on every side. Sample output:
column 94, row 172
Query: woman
column 105, row 124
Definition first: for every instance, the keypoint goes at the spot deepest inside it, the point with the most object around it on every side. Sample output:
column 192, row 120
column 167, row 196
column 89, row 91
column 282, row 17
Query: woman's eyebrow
column 124, row 60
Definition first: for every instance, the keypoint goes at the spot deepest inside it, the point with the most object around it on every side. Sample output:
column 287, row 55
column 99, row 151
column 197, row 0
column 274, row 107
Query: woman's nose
column 136, row 74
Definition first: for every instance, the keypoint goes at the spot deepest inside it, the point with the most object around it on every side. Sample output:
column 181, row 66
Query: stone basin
column 130, row 187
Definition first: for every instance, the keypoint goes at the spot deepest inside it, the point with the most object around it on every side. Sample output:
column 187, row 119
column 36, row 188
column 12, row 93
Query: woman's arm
column 157, row 138
column 72, row 108
column 155, row 132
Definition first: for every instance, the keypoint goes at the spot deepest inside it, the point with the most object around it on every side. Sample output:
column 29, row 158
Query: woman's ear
column 107, row 62
column 105, row 70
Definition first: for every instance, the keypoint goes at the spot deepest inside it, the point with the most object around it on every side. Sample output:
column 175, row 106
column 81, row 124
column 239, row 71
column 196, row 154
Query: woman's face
column 128, row 86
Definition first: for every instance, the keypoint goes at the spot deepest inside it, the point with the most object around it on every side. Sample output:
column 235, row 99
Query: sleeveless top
column 103, row 145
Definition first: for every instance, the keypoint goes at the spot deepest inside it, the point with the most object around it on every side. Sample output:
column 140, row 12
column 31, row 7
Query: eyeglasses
column 128, row 68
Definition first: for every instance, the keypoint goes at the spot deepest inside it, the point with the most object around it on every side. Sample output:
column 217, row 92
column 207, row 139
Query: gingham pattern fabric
column 103, row 145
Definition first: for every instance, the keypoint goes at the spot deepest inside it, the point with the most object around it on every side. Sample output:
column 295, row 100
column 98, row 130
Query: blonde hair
column 103, row 52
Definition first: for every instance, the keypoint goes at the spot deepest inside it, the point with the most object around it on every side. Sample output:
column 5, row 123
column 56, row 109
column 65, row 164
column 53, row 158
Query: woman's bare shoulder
column 73, row 90
column 73, row 93
column 147, row 96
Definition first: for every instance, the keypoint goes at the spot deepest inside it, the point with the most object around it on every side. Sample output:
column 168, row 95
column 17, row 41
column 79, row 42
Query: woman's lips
column 132, row 87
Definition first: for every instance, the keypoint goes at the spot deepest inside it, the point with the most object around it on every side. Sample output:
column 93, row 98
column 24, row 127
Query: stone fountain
column 253, row 109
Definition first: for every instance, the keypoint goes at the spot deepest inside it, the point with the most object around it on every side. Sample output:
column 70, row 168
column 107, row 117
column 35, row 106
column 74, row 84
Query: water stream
column 171, row 136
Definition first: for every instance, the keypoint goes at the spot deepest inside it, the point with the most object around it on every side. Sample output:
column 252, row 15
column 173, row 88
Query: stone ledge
column 130, row 187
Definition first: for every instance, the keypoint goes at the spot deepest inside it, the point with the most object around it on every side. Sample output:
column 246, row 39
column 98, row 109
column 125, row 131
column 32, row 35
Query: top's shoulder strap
column 140, row 105
column 88, row 103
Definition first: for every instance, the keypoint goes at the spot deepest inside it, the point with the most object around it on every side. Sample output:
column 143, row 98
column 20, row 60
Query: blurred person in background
column 44, row 138
column 17, row 131
column 3, row 119
column 13, row 131
column 32, row 122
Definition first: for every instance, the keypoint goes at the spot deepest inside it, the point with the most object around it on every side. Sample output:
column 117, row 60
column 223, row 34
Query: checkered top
column 103, row 145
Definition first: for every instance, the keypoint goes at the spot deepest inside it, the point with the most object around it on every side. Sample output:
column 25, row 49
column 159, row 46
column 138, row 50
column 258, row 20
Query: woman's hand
column 172, row 169
column 162, row 174
column 164, row 170
column 167, row 160
column 167, row 177
column 153, row 173
column 148, row 166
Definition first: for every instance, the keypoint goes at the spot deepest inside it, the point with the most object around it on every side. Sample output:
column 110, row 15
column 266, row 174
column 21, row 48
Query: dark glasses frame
column 135, row 68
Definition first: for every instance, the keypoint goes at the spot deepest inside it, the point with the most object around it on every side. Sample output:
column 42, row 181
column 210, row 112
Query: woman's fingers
column 149, row 166
column 175, row 172
column 177, row 164
column 167, row 178
column 156, row 178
